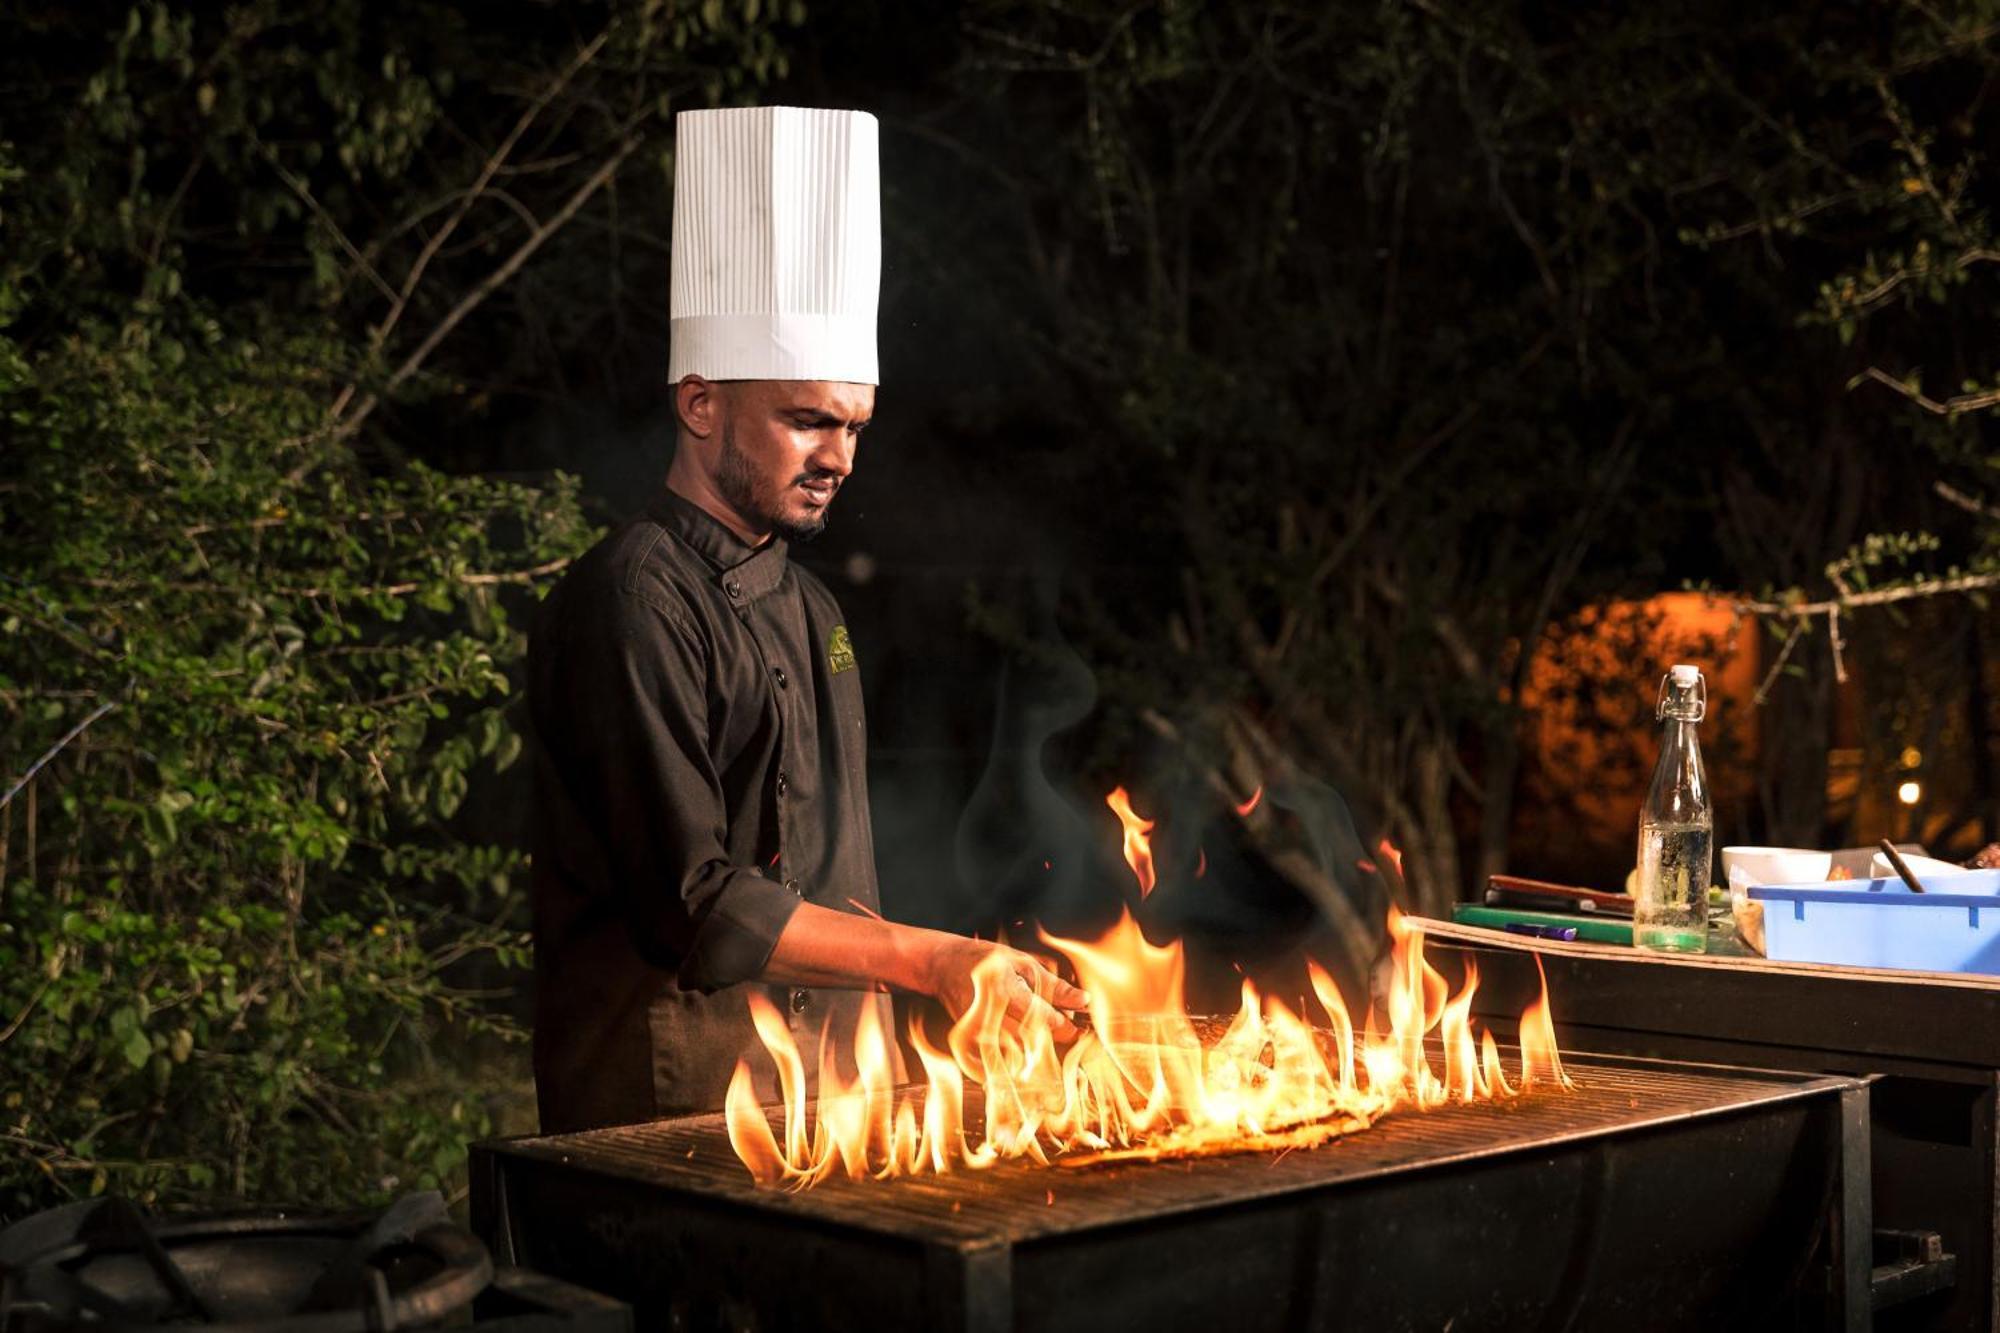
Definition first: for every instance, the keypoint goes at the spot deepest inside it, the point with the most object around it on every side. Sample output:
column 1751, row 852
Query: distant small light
column 1910, row 793
column 860, row 568
column 1912, row 756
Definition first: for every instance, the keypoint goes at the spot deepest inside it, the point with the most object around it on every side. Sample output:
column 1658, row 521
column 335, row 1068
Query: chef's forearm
column 822, row 947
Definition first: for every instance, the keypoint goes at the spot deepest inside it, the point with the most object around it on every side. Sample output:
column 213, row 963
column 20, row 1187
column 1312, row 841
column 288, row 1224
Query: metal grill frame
column 1929, row 1043
column 1544, row 1210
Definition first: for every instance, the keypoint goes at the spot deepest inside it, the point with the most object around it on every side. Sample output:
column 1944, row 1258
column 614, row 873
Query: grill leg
column 970, row 1289
column 1850, row 1303
column 490, row 1219
column 1986, row 1138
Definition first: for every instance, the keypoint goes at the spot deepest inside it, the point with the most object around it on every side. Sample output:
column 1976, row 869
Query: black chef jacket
column 700, row 769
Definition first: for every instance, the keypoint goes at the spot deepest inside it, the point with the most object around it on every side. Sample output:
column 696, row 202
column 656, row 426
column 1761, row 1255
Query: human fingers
column 1064, row 1028
column 1025, row 1004
column 1052, row 988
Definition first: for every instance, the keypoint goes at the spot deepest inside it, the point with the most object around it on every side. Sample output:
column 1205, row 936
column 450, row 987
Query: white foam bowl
column 1744, row 867
column 1923, row 867
column 1775, row 865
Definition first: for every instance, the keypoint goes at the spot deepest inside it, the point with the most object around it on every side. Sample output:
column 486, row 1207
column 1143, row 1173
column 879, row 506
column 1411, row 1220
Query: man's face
column 786, row 446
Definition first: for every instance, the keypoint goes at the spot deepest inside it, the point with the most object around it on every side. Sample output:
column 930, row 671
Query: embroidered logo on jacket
column 839, row 651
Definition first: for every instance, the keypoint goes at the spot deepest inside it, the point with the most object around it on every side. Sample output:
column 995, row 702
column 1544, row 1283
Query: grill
column 1930, row 1044
column 105, row 1266
column 1655, row 1195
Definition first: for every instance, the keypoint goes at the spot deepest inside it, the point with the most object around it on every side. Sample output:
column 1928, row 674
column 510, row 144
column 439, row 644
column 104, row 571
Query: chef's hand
column 962, row 967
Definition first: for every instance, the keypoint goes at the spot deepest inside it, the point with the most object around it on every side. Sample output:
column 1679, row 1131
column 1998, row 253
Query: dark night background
column 1321, row 399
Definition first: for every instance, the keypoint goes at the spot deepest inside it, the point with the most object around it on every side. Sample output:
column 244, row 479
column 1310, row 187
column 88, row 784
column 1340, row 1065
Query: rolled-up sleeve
column 639, row 684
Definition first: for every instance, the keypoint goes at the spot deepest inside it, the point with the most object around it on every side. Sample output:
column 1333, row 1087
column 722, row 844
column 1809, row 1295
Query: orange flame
column 1541, row 1061
column 1392, row 855
column 1138, row 848
column 1244, row 809
column 1140, row 1083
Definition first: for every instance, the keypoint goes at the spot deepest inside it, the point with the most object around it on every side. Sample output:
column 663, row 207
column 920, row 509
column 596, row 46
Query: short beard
column 738, row 484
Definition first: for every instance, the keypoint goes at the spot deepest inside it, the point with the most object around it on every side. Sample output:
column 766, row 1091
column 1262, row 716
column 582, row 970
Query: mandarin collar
column 743, row 572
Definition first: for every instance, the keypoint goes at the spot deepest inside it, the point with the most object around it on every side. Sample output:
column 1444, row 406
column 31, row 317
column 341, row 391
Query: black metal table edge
column 1781, row 1086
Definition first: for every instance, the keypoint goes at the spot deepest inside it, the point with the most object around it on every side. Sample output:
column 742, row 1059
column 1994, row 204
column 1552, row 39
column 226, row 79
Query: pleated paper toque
column 777, row 254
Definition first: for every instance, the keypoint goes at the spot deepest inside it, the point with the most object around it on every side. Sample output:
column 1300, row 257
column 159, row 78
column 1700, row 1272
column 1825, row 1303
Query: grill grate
column 1018, row 1202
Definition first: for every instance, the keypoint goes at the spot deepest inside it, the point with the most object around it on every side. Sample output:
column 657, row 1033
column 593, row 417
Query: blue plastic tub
column 1953, row 926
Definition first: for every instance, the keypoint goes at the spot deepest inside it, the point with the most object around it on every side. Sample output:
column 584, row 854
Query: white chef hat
column 777, row 248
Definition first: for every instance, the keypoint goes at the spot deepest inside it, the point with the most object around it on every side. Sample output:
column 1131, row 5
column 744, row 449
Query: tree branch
column 1784, row 655
column 107, row 706
column 401, row 298
column 1805, row 611
column 1496, row 187
column 1886, row 288
column 1912, row 145
column 1406, row 466
column 485, row 579
column 1949, row 407
column 305, row 194
column 1970, row 504
column 540, row 571
column 485, row 288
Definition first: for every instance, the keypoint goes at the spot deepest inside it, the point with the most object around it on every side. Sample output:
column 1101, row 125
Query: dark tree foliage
column 254, row 646
column 1392, row 333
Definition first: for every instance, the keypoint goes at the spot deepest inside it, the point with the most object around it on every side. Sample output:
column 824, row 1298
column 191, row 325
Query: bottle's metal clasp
column 1689, row 702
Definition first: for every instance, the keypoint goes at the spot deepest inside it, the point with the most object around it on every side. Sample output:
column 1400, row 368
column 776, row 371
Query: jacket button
column 801, row 997
column 793, row 885
column 782, row 678
column 734, row 588
column 783, row 782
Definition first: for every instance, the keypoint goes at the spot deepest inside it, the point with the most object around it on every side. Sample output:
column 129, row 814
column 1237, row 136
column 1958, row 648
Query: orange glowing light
column 1839, row 872
column 1251, row 804
column 1390, row 854
column 1138, row 847
column 1200, row 862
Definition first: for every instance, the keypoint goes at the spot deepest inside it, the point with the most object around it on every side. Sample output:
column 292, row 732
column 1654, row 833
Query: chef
column 701, row 795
